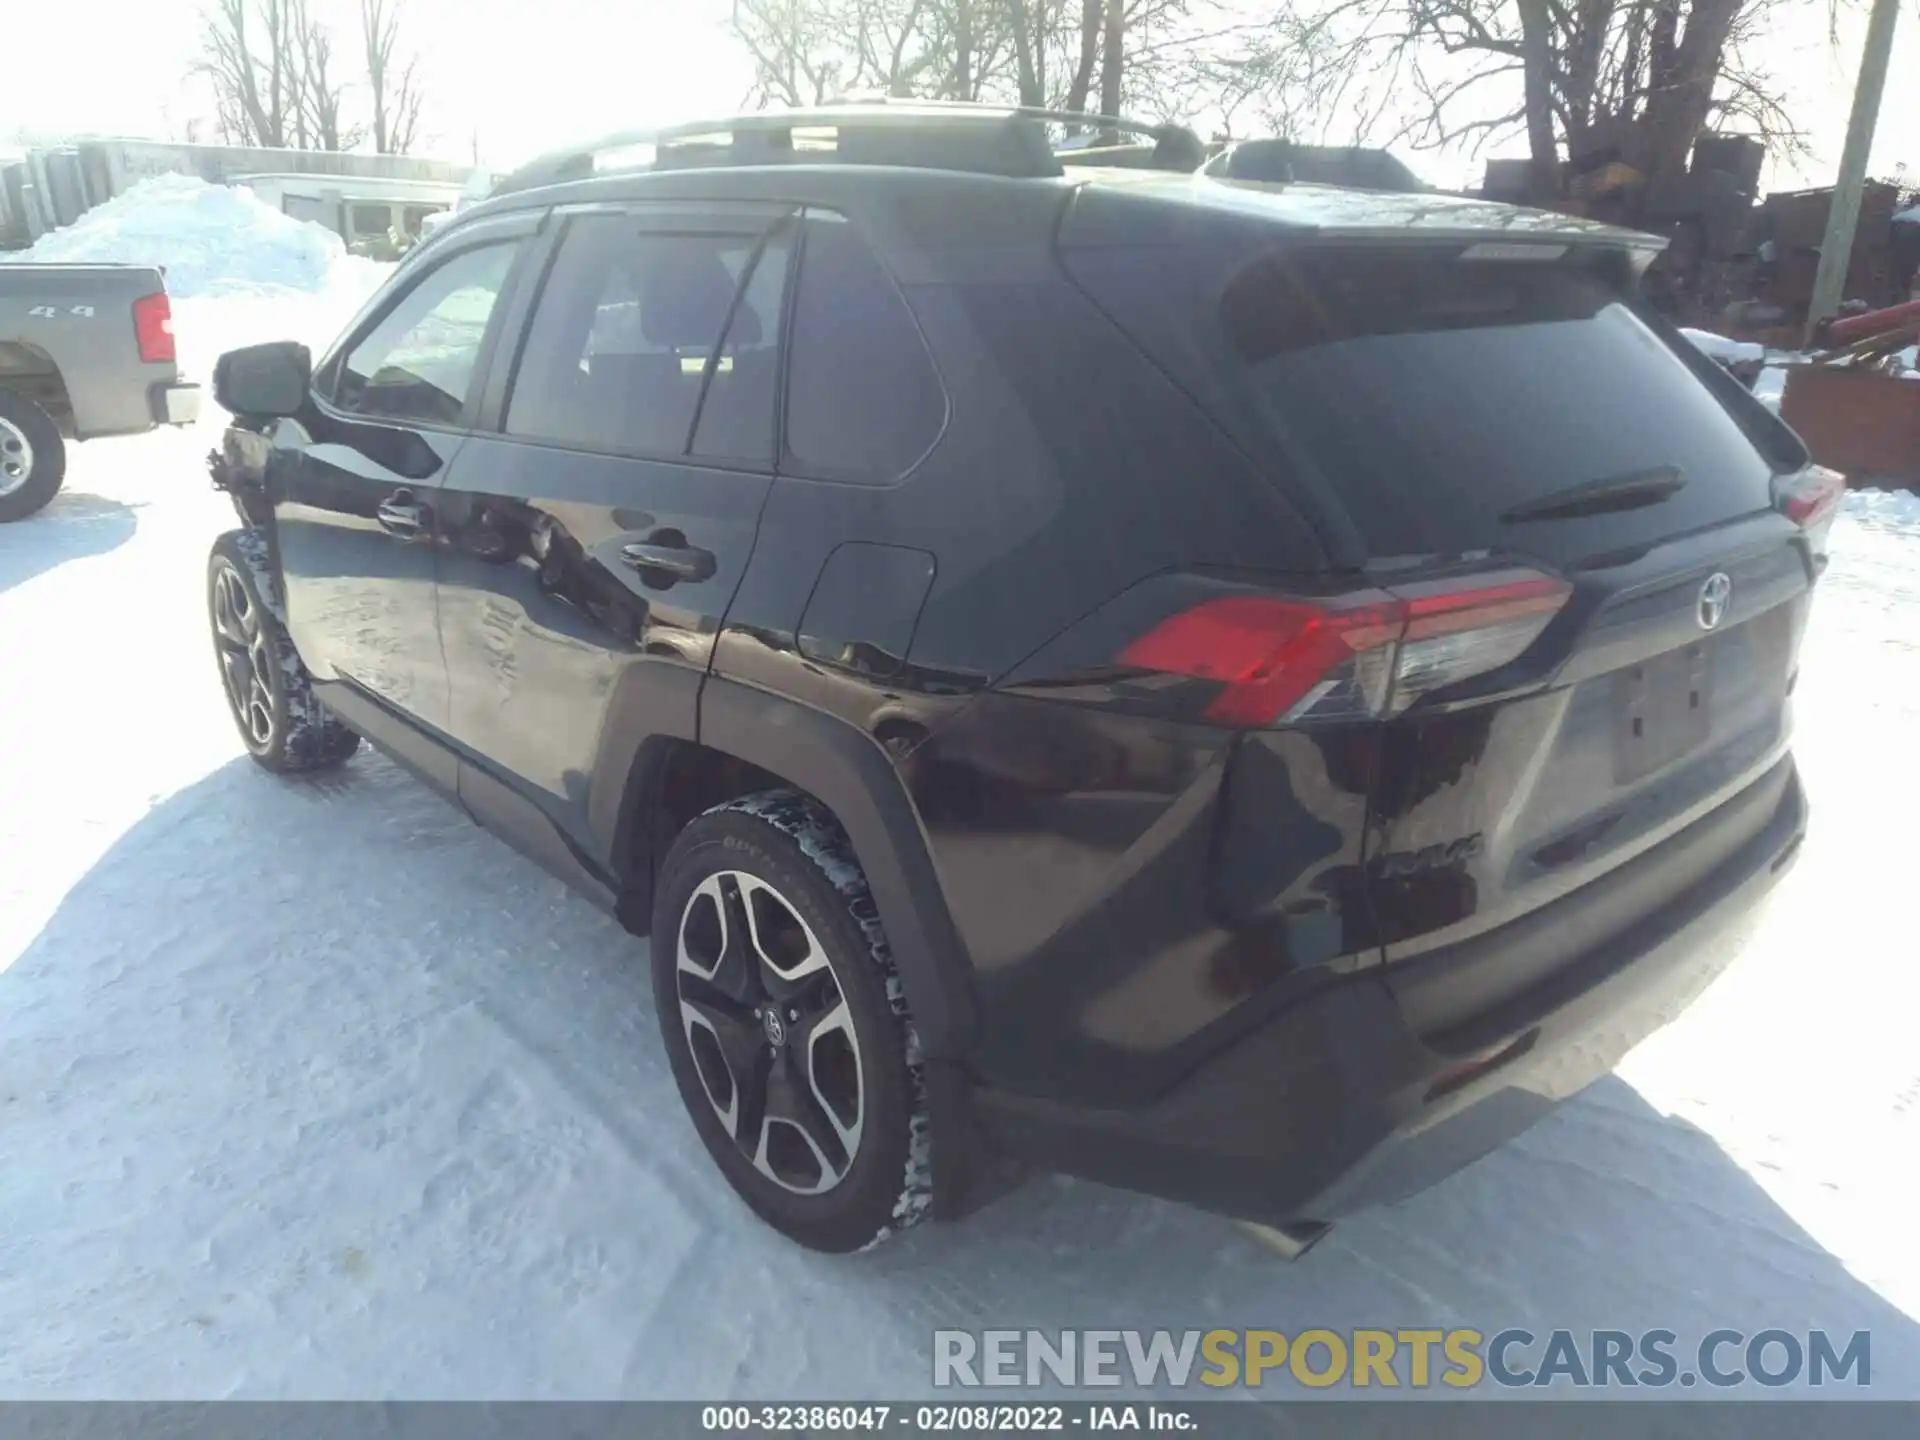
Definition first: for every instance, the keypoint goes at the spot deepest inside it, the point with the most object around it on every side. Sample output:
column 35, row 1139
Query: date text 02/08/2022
column 944, row 1418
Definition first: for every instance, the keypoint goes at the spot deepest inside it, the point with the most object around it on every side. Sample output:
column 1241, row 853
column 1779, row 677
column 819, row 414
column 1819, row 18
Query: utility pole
column 1836, row 248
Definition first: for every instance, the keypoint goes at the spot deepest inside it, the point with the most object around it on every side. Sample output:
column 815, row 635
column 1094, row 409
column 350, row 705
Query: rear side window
column 417, row 362
column 737, row 410
column 864, row 401
column 1438, row 394
column 637, row 334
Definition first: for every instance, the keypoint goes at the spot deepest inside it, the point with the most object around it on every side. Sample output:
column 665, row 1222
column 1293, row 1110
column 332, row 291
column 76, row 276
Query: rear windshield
column 1438, row 394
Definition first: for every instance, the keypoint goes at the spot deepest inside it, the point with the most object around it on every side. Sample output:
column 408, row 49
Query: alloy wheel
column 771, row 1032
column 246, row 656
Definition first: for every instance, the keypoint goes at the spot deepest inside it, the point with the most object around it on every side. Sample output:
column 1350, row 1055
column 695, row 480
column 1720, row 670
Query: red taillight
column 153, row 328
column 1368, row 654
column 1270, row 654
column 1810, row 497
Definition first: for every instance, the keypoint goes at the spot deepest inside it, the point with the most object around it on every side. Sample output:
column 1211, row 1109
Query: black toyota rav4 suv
column 1248, row 693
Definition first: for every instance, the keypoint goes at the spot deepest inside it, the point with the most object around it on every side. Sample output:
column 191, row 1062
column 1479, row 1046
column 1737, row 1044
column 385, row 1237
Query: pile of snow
column 239, row 271
column 1889, row 509
column 1720, row 348
column 1770, row 385
column 211, row 239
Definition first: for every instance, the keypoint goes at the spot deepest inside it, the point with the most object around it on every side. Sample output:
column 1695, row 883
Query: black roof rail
column 1007, row 140
column 1173, row 146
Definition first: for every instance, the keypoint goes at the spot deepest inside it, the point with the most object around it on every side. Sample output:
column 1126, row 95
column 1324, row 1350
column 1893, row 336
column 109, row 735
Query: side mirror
column 268, row 381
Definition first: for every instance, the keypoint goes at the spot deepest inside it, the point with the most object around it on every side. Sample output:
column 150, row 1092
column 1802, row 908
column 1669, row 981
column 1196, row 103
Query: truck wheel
column 33, row 457
column 283, row 726
column 787, row 1026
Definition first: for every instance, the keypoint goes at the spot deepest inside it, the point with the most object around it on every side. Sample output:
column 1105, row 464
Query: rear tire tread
column 793, row 843
column 822, row 840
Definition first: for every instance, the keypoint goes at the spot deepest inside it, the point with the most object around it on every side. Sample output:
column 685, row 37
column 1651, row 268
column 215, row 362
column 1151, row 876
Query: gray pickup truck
column 85, row 351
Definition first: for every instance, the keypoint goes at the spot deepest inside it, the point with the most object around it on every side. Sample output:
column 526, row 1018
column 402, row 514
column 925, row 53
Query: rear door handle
column 682, row 562
column 400, row 514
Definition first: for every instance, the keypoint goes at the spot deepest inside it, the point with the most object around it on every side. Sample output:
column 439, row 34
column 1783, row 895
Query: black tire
column 285, row 729
column 768, row 851
column 28, row 428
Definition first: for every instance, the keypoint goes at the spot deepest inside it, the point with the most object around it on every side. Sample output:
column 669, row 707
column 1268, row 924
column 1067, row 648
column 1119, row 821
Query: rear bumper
column 1340, row 1103
column 174, row 402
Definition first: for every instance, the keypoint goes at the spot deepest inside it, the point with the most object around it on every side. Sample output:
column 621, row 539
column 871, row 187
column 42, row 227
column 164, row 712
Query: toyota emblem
column 1711, row 607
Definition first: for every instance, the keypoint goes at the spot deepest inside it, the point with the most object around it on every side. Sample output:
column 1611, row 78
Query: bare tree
column 1113, row 57
column 1030, row 52
column 393, row 83
column 962, row 86
column 805, row 52
column 272, row 71
column 1637, row 79
column 896, row 49
column 1091, row 12
column 1166, row 48
column 246, row 56
column 319, row 89
column 1028, row 58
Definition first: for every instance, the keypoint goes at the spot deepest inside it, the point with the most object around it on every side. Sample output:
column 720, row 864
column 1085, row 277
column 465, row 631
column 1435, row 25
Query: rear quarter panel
column 80, row 318
column 1077, row 850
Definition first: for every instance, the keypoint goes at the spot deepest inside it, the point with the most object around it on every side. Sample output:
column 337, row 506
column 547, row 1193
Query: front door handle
column 681, row 562
column 400, row 514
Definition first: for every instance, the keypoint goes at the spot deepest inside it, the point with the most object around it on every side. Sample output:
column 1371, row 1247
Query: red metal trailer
column 1856, row 411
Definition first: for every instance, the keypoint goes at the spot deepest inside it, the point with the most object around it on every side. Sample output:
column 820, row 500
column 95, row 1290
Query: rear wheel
column 282, row 724
column 786, row 1024
column 33, row 457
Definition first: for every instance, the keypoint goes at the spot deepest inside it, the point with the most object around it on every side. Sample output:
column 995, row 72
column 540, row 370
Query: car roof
column 1121, row 204
column 964, row 136
column 955, row 176
column 929, row 162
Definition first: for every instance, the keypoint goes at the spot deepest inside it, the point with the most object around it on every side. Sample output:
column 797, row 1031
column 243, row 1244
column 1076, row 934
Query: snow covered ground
column 315, row 1090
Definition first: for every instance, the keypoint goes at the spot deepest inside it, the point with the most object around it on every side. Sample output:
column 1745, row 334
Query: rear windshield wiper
column 1594, row 497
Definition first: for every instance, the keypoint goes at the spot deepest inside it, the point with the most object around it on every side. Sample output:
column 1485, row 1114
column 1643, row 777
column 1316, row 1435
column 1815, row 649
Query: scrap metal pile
column 1857, row 401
